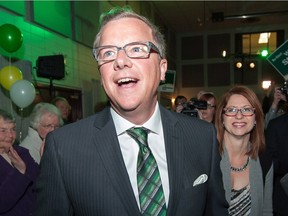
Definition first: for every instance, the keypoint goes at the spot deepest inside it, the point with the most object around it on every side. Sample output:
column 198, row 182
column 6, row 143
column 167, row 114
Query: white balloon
column 22, row 93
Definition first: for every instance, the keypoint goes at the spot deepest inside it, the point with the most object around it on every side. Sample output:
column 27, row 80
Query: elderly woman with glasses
column 247, row 170
column 45, row 117
column 18, row 172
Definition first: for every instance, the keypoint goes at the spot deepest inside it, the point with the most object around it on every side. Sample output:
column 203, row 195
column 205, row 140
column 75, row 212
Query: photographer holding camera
column 179, row 101
column 208, row 114
column 279, row 104
column 202, row 107
column 193, row 106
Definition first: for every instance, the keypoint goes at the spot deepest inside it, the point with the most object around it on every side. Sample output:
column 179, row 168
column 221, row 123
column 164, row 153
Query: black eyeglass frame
column 151, row 47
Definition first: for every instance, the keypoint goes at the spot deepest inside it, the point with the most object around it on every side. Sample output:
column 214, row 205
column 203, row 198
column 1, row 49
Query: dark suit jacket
column 16, row 193
column 83, row 172
column 277, row 145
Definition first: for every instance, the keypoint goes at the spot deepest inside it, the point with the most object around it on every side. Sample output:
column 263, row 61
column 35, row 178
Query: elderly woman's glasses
column 49, row 126
column 136, row 50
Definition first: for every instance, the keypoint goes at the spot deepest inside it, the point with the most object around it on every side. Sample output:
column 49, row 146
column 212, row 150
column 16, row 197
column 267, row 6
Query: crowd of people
column 229, row 160
column 20, row 161
column 205, row 110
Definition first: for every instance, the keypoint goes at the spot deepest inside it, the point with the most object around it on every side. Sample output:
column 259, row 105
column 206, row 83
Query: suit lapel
column 174, row 154
column 109, row 150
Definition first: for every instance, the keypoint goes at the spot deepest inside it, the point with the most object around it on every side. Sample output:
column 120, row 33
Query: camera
column 190, row 107
column 284, row 89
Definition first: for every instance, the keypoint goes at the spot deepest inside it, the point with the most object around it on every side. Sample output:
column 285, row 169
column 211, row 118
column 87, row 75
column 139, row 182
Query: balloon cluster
column 22, row 92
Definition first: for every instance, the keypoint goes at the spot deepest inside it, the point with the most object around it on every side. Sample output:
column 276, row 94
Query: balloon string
column 11, row 106
column 21, row 120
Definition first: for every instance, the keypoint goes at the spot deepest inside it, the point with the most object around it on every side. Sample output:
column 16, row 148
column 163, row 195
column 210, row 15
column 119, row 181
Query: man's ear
column 163, row 68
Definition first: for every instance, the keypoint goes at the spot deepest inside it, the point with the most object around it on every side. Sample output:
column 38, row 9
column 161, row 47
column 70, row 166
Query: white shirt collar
column 153, row 124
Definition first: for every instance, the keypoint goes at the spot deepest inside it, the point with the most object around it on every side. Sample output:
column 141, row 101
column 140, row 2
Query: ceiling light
column 264, row 37
column 252, row 65
column 239, row 65
column 266, row 84
column 173, row 100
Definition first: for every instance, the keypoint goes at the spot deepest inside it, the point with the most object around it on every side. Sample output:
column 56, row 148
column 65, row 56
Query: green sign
column 169, row 84
column 279, row 59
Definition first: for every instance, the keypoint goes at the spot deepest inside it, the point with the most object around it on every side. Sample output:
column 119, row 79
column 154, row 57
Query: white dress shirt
column 130, row 148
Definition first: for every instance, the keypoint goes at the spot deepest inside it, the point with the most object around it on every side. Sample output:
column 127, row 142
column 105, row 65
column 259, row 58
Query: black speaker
column 51, row 67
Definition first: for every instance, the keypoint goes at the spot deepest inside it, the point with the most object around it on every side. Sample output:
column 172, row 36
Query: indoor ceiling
column 191, row 16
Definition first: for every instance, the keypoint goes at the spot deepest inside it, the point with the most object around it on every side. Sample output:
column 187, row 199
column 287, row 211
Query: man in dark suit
column 277, row 144
column 89, row 167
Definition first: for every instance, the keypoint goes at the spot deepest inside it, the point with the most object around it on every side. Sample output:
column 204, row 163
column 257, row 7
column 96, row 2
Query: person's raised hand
column 16, row 160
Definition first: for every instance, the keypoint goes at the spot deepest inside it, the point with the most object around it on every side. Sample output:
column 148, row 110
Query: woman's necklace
column 240, row 169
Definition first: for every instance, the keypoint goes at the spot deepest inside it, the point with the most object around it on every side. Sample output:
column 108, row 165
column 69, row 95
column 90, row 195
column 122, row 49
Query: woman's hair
column 207, row 96
column 7, row 117
column 126, row 12
column 41, row 109
column 257, row 134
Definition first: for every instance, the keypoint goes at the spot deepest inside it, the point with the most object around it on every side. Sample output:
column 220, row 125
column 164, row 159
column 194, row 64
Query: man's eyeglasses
column 50, row 126
column 232, row 111
column 136, row 50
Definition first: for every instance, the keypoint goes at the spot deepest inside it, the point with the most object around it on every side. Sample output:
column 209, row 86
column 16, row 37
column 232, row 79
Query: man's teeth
column 124, row 80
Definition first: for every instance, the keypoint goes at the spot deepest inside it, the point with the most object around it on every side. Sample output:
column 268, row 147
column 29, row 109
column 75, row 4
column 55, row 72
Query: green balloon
column 11, row 38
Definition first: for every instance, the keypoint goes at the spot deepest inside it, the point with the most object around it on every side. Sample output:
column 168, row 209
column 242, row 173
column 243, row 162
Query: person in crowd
column 247, row 169
column 268, row 98
column 209, row 113
column 18, row 172
column 91, row 167
column 45, row 117
column 278, row 106
column 199, row 94
column 65, row 108
column 179, row 101
column 277, row 143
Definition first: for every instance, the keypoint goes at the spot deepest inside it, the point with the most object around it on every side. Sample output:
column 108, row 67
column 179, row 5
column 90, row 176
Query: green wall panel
column 54, row 15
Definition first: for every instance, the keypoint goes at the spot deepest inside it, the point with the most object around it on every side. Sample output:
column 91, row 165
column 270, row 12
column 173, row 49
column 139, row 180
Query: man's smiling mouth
column 125, row 81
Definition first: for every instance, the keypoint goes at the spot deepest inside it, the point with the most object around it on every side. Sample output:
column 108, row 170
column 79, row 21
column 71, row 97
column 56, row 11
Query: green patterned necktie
column 151, row 195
